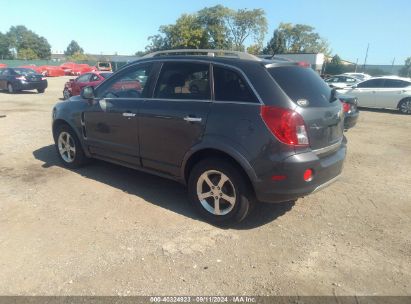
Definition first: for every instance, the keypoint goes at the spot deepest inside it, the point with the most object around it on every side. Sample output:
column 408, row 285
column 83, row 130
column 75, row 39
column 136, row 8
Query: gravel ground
column 108, row 230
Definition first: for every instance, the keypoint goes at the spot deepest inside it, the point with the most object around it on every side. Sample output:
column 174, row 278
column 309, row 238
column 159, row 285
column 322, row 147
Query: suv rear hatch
column 322, row 113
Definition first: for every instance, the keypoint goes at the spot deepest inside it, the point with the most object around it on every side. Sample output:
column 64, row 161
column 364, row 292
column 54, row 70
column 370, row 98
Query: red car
column 73, row 86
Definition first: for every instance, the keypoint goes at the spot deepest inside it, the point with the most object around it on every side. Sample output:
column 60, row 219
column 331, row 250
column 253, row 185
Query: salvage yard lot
column 109, row 230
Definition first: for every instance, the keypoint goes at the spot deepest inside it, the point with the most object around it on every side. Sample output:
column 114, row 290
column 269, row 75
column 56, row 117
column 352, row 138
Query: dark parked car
column 254, row 130
column 350, row 109
column 73, row 87
column 18, row 79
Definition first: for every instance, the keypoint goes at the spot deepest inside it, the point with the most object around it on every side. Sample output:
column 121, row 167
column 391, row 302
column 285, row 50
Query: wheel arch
column 403, row 99
column 229, row 154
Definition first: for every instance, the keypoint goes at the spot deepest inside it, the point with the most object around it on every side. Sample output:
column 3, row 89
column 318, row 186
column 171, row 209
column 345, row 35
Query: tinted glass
column 130, row 83
column 396, row 83
column 22, row 71
column 183, row 80
column 372, row 83
column 106, row 75
column 302, row 83
column 94, row 77
column 84, row 78
column 230, row 86
column 1, row 71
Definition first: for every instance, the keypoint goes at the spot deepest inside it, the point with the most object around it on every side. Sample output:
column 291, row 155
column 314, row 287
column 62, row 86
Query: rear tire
column 69, row 148
column 219, row 191
column 405, row 106
column 41, row 90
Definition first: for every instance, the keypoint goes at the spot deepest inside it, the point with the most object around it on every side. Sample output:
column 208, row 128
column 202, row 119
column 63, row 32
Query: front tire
column 10, row 88
column 41, row 90
column 405, row 106
column 68, row 148
column 219, row 191
column 66, row 94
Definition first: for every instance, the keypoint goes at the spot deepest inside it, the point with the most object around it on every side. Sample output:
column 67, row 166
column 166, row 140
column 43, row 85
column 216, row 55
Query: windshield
column 106, row 75
column 302, row 84
column 22, row 71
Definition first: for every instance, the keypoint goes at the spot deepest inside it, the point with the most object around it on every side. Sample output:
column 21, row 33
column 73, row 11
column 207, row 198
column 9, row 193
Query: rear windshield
column 104, row 64
column 302, row 83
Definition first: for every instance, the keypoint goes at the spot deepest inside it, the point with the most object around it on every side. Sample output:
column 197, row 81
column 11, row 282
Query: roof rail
column 205, row 52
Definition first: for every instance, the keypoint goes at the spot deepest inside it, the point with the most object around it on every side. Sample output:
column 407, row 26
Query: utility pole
column 366, row 56
column 392, row 65
column 356, row 64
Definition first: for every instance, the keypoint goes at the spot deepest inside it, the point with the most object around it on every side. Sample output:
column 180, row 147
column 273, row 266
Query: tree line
column 220, row 27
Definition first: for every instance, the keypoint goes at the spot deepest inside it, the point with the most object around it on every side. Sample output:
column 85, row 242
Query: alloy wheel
column 405, row 107
column 216, row 192
column 67, row 147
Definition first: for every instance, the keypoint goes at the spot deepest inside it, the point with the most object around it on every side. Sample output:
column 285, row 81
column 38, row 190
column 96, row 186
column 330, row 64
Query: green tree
column 244, row 24
column 215, row 27
column 78, row 57
column 73, row 48
column 23, row 39
column 336, row 60
column 406, row 70
column 276, row 45
column 216, row 32
column 27, row 54
column 4, row 47
column 299, row 38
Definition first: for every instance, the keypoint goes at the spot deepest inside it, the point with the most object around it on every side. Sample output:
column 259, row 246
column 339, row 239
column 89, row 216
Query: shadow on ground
column 156, row 190
column 374, row 110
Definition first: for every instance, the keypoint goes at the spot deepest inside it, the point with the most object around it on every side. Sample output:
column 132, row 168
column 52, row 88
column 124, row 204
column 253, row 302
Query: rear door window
column 302, row 83
column 372, row 83
column 396, row 83
column 84, row 78
column 230, row 86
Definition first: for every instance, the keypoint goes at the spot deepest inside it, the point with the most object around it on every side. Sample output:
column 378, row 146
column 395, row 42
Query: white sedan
column 383, row 92
column 341, row 81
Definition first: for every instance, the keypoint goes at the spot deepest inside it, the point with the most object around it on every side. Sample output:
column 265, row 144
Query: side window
column 349, row 79
column 94, row 77
column 372, row 83
column 1, row 71
column 395, row 83
column 130, row 83
column 83, row 78
column 7, row 72
column 183, row 80
column 230, row 86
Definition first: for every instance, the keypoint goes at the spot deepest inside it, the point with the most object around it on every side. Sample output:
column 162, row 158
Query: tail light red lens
column 346, row 106
column 308, row 175
column 285, row 124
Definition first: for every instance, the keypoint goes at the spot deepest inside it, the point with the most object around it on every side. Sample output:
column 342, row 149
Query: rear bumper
column 350, row 120
column 326, row 167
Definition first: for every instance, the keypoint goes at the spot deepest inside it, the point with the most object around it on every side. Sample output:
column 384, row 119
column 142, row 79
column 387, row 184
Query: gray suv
column 235, row 129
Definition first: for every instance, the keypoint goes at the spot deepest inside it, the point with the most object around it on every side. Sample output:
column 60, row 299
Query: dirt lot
column 108, row 230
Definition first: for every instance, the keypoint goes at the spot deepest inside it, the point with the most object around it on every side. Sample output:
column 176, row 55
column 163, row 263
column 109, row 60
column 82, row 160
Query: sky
column 123, row 26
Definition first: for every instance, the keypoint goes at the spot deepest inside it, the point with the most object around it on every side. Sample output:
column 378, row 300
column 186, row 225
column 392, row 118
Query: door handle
column 128, row 114
column 192, row 119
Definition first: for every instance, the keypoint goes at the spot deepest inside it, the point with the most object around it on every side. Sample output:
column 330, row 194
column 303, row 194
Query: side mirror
column 87, row 93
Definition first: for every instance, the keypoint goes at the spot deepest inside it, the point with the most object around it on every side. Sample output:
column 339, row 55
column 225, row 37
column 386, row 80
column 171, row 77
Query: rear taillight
column 43, row 78
column 346, row 106
column 21, row 78
column 285, row 124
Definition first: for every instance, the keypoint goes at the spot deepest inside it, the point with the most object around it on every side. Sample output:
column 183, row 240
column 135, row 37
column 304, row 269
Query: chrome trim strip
column 326, row 184
column 329, row 148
